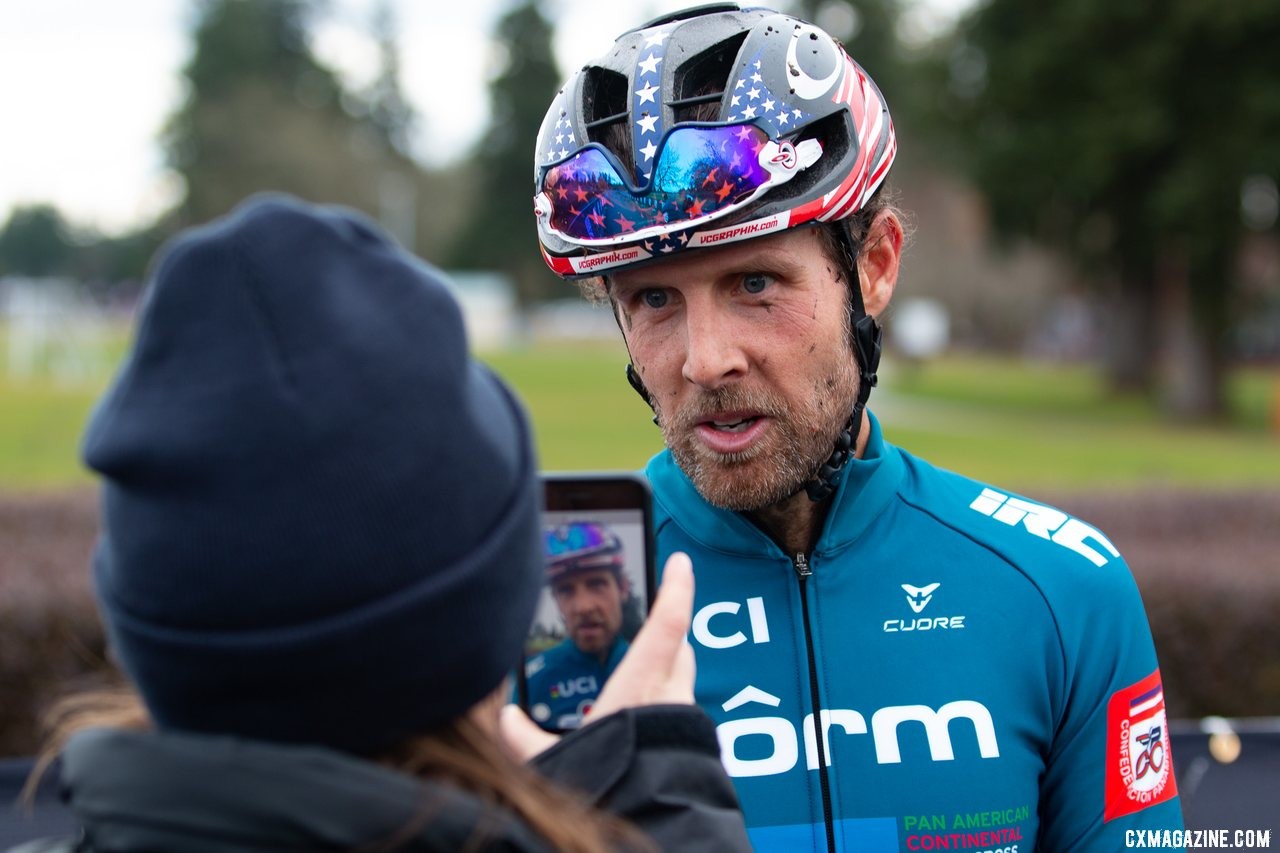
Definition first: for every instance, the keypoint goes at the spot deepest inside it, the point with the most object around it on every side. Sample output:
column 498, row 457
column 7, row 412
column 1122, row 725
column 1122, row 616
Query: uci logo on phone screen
column 580, row 686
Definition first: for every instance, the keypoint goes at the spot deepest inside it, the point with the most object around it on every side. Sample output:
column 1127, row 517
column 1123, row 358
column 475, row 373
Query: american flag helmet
column 701, row 128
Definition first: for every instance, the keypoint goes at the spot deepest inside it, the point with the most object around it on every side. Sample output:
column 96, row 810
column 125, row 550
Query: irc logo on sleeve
column 1139, row 764
column 1047, row 523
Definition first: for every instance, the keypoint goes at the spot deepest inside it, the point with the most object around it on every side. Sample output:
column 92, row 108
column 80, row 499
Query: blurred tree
column 34, row 242
column 500, row 232
column 108, row 263
column 388, row 108
column 258, row 107
column 262, row 113
column 1124, row 134
column 38, row 241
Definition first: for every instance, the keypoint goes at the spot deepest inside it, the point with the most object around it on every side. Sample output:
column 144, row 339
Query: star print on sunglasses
column 700, row 173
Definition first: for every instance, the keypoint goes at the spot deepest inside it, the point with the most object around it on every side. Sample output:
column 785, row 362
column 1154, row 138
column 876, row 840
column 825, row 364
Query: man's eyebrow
column 637, row 284
column 786, row 261
column 772, row 258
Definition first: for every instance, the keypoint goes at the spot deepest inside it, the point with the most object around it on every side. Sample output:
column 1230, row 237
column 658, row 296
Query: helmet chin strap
column 634, row 380
column 866, row 335
column 866, row 343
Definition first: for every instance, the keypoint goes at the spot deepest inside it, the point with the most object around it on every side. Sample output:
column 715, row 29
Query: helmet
column 700, row 128
column 581, row 546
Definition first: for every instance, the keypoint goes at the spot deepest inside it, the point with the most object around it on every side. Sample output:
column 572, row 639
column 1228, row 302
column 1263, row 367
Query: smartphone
column 599, row 579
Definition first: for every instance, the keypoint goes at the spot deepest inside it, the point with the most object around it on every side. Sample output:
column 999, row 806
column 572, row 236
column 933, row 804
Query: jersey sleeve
column 1110, row 767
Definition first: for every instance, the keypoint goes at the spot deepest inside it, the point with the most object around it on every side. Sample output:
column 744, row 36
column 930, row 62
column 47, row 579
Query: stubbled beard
column 799, row 440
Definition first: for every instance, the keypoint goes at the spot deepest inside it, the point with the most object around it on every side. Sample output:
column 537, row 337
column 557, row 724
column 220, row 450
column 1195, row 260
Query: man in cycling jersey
column 896, row 657
column 590, row 589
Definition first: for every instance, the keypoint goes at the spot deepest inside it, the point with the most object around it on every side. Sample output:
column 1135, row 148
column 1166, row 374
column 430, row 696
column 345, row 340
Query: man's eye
column 654, row 298
column 755, row 283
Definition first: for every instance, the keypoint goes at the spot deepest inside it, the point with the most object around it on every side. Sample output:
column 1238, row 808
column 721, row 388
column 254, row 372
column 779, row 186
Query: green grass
column 1033, row 425
column 1026, row 454
column 40, row 428
column 1015, row 387
column 585, row 414
column 48, row 384
column 1023, row 426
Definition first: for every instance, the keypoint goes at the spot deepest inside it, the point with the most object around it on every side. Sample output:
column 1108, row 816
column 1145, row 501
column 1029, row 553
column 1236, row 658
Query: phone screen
column 597, row 586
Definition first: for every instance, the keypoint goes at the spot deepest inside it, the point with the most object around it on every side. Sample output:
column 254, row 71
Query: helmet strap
column 866, row 344
column 866, row 337
column 633, row 378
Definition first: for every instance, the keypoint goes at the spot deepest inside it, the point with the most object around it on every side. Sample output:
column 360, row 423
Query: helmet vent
column 701, row 81
column 604, row 101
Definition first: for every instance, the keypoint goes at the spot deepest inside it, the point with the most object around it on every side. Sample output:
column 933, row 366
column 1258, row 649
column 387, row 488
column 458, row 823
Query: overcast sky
column 87, row 85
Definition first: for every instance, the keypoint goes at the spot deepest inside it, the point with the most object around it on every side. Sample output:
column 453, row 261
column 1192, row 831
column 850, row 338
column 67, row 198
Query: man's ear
column 879, row 260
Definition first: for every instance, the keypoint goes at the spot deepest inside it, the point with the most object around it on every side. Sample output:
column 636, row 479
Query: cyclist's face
column 745, row 351
column 591, row 604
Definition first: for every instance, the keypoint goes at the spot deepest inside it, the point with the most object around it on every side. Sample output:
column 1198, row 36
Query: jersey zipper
column 803, row 572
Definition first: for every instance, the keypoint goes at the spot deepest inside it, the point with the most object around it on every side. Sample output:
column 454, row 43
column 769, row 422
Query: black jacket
column 161, row 791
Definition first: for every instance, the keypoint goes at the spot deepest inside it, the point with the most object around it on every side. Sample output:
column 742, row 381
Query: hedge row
column 50, row 637
column 1208, row 566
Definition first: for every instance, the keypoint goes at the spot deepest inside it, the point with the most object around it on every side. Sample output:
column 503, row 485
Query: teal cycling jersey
column 564, row 682
column 953, row 667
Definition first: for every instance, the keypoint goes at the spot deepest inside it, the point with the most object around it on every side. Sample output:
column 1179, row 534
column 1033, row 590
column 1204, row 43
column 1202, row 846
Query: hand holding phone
column 658, row 669
column 597, row 531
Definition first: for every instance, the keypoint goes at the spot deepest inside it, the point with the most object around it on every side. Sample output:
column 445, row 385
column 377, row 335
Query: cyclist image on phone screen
column 591, row 591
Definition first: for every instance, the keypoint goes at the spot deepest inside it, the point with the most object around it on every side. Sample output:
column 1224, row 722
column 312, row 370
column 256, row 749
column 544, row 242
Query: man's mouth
column 738, row 421
column 740, row 425
column 731, row 432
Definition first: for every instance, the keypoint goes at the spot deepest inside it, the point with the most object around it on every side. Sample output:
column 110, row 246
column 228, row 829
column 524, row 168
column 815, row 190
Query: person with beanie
column 312, row 497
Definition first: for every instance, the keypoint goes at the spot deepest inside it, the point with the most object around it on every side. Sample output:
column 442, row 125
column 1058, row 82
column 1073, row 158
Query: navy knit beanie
column 319, row 514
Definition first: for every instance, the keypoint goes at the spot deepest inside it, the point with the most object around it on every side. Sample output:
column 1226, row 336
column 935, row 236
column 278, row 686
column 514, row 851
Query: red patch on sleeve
column 1139, row 760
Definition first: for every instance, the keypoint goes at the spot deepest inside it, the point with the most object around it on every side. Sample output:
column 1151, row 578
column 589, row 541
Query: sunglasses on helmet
column 574, row 538
column 700, row 173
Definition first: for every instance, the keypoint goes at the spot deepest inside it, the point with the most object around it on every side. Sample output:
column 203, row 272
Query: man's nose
column 714, row 355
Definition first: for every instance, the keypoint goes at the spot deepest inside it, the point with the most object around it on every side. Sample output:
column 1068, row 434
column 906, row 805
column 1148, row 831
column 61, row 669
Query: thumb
column 668, row 623
column 659, row 667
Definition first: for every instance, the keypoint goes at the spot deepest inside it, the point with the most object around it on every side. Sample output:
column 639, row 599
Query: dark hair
column 462, row 753
column 855, row 230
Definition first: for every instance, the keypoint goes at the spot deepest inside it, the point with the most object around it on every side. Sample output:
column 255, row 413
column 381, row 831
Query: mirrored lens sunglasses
column 700, row 173
column 573, row 538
